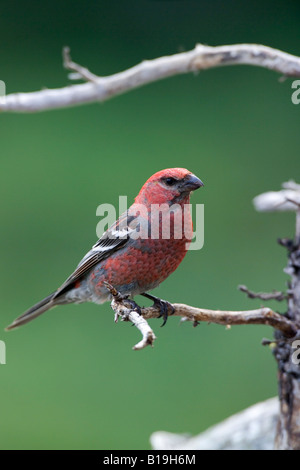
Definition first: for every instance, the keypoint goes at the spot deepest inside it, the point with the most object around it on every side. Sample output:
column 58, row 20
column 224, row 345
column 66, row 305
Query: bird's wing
column 112, row 240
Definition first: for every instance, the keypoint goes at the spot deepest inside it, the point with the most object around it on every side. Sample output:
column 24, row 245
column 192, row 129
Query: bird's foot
column 124, row 307
column 163, row 305
column 132, row 304
column 128, row 305
column 122, row 304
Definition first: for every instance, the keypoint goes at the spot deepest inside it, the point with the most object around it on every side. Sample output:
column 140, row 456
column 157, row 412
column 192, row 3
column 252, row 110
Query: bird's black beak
column 191, row 183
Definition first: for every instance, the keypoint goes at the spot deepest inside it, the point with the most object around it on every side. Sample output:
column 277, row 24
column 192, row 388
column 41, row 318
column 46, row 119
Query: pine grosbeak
column 137, row 252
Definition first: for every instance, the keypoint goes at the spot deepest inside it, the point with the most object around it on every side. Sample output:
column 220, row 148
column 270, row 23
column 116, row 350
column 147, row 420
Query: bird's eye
column 170, row 181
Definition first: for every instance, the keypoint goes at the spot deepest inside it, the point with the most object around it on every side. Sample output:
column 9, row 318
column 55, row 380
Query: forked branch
column 99, row 89
column 130, row 311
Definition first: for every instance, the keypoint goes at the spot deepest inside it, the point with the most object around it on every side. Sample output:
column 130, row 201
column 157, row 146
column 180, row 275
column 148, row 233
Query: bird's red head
column 171, row 186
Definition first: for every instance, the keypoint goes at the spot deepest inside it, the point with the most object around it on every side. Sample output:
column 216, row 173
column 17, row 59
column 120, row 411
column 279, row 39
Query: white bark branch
column 99, row 89
column 128, row 311
column 287, row 199
column 80, row 72
column 142, row 325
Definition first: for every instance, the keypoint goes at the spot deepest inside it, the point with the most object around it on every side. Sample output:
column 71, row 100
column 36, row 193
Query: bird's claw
column 163, row 306
column 123, row 304
column 131, row 305
column 134, row 306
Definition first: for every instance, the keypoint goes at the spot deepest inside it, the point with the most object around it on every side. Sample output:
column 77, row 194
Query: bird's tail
column 33, row 312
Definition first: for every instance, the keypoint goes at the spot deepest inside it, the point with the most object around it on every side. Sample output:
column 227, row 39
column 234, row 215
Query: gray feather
column 33, row 312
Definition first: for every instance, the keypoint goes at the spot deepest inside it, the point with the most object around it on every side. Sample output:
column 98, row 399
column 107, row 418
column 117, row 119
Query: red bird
column 139, row 251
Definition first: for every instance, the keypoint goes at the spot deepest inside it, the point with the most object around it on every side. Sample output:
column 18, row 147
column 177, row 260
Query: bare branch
column 277, row 201
column 103, row 88
column 291, row 184
column 275, row 295
column 130, row 311
column 81, row 72
column 287, row 199
column 261, row 316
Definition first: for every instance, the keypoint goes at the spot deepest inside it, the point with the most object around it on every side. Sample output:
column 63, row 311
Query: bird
column 138, row 252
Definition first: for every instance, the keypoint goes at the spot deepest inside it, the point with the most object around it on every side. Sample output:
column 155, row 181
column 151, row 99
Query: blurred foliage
column 71, row 379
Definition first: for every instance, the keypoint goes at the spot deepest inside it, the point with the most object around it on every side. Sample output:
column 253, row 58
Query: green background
column 71, row 379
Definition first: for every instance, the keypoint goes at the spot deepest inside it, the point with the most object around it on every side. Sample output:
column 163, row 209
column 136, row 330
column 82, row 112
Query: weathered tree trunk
column 288, row 429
